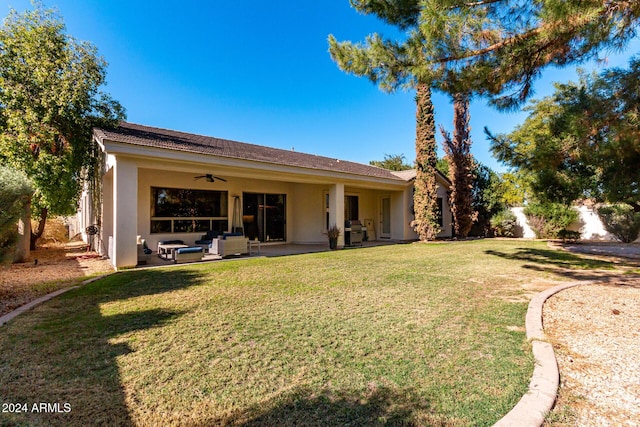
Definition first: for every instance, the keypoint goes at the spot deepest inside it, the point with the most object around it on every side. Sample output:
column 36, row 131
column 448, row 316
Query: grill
column 353, row 232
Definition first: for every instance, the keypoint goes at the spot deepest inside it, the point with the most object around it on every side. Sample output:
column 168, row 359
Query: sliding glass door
column 264, row 216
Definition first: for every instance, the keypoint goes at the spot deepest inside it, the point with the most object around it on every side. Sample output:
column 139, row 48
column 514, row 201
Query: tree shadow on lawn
column 562, row 263
column 61, row 352
column 304, row 407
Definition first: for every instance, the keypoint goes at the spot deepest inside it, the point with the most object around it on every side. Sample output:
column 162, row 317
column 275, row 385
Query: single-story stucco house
column 162, row 184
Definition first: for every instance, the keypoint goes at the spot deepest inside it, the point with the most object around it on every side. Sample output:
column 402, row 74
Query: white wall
column 589, row 224
column 592, row 228
column 521, row 218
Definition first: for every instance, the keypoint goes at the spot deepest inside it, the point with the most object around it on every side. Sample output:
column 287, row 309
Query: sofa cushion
column 190, row 250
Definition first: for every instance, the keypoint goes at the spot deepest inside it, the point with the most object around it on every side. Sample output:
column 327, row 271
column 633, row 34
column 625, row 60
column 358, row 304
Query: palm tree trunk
column 425, row 187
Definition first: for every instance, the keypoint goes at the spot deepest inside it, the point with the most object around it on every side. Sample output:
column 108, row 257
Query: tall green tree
column 458, row 155
column 486, row 198
column 494, row 48
column 393, row 162
column 50, row 99
column 513, row 188
column 583, row 141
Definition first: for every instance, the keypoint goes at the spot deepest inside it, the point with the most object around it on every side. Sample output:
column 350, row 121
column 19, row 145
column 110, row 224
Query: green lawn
column 419, row 334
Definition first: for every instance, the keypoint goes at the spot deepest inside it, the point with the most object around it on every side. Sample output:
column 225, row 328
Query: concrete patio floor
column 269, row 250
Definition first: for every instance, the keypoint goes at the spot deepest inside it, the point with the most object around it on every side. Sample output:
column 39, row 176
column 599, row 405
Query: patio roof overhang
column 198, row 163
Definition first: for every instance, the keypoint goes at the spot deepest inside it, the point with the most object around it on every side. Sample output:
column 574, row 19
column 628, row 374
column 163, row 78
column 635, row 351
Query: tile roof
column 410, row 174
column 145, row 136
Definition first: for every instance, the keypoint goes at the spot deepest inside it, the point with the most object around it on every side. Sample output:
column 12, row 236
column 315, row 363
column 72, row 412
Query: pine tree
column 494, row 48
column 387, row 64
column 461, row 167
column 425, row 188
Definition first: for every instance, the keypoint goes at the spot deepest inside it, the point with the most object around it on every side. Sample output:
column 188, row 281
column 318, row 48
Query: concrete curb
column 533, row 407
column 9, row 316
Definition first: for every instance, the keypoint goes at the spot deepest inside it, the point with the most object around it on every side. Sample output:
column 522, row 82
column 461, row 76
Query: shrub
column 504, row 224
column 14, row 188
column 569, row 235
column 621, row 221
column 549, row 220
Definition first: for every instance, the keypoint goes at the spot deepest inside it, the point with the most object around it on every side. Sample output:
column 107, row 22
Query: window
column 326, row 211
column 439, row 205
column 264, row 216
column 350, row 208
column 177, row 210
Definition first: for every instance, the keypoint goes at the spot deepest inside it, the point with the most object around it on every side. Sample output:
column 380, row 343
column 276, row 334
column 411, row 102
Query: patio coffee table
column 166, row 251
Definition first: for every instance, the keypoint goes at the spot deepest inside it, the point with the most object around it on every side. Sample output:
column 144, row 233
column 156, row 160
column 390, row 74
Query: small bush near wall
column 569, row 235
column 621, row 221
column 504, row 224
column 15, row 190
column 549, row 220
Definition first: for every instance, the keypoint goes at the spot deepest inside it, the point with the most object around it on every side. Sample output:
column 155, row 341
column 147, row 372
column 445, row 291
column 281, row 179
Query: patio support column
column 336, row 209
column 125, row 213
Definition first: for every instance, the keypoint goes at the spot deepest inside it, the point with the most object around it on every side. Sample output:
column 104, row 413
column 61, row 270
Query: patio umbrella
column 236, row 221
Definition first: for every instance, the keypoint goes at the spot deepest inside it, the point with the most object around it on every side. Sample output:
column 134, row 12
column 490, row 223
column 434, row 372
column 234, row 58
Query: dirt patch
column 53, row 266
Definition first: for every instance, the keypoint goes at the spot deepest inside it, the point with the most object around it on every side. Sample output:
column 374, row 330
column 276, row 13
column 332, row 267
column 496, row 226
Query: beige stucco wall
column 307, row 213
column 305, row 205
column 107, row 213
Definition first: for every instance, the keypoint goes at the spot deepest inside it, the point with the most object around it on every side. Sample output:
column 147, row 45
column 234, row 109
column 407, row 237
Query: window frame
column 198, row 222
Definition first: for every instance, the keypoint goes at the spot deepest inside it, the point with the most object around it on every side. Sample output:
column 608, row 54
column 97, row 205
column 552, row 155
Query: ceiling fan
column 210, row 178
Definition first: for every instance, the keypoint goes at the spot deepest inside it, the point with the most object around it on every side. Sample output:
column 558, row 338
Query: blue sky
column 260, row 72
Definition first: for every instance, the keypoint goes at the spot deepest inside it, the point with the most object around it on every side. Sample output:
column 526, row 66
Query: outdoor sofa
column 229, row 244
column 193, row 253
column 205, row 239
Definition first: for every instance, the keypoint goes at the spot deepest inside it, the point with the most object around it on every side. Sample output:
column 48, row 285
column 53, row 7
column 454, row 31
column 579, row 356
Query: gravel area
column 630, row 250
column 58, row 266
column 595, row 330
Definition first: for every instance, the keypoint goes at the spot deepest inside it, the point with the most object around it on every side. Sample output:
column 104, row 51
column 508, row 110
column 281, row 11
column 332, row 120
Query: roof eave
column 145, row 153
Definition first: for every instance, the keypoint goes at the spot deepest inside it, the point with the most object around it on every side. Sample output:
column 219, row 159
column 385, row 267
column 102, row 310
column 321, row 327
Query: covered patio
column 268, row 251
